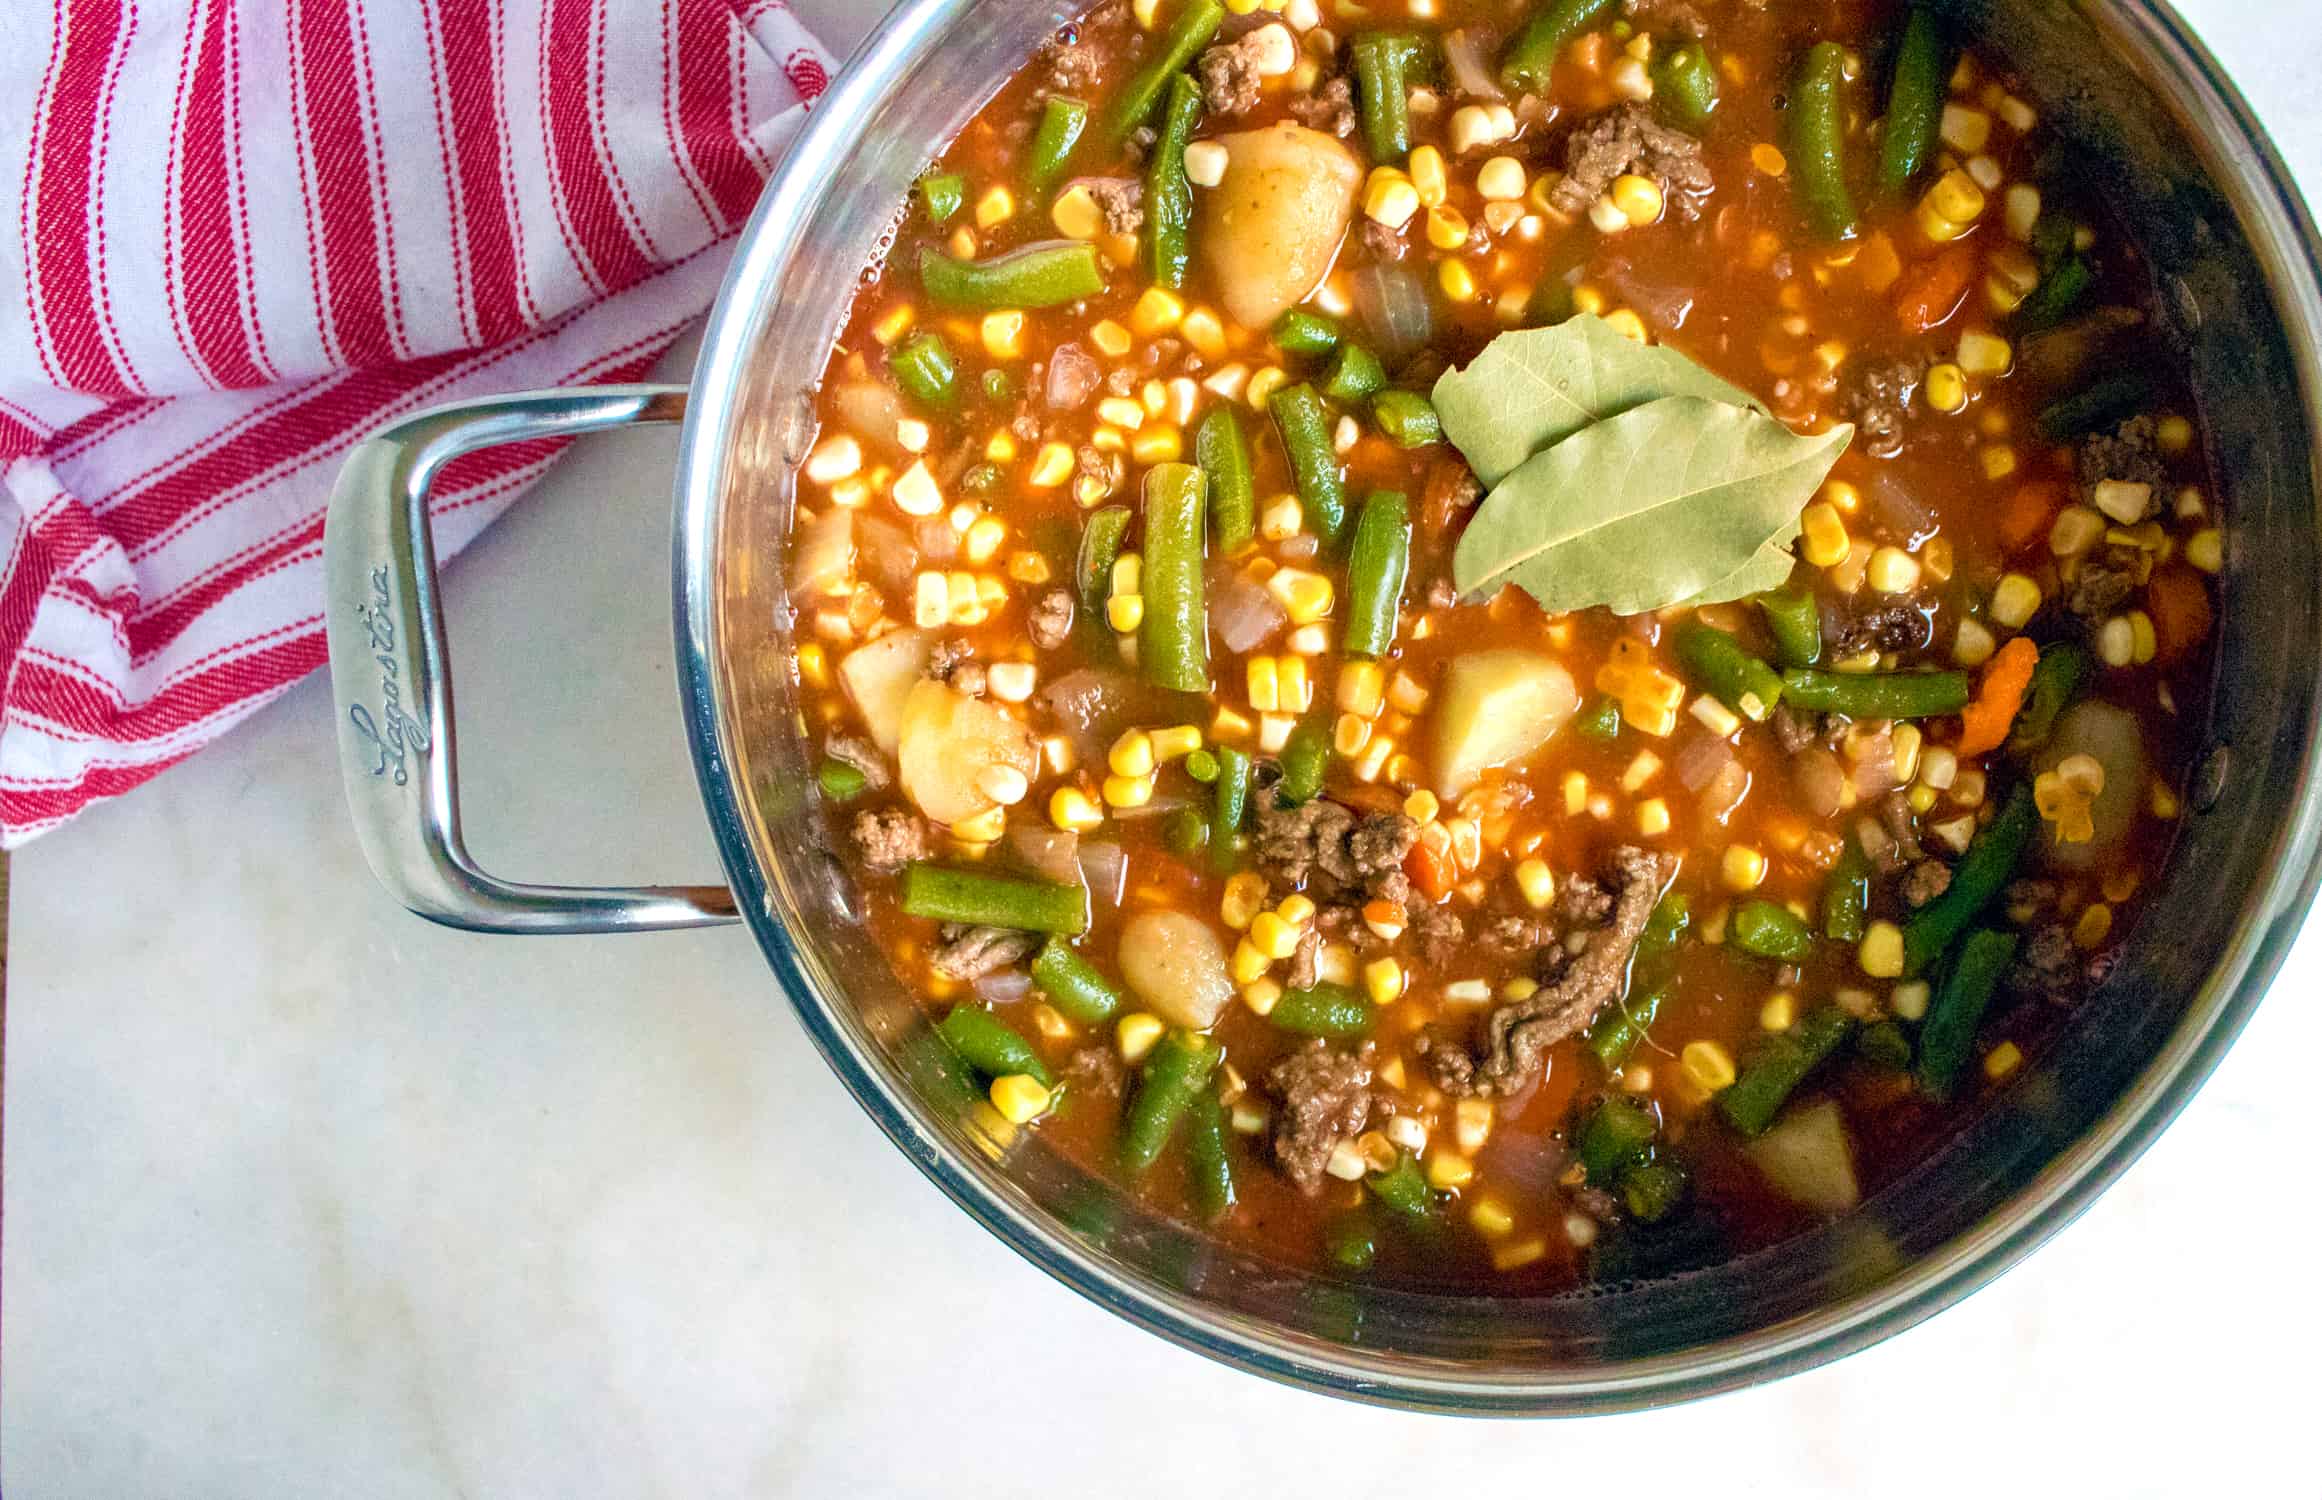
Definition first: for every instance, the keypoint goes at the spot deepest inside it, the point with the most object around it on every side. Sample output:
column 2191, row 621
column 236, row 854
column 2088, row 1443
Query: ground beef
column 1385, row 242
column 1325, row 1097
column 1121, row 200
column 2048, row 965
column 1326, row 850
column 2103, row 583
column 1330, row 108
column 1025, row 426
column 1229, row 76
column 1512, row 936
column 1098, row 1069
column 1451, row 490
column 1582, row 902
column 1439, row 934
column 1050, row 623
column 1794, row 728
column 1518, row 1034
column 1306, row 960
column 2131, row 453
column 1139, row 142
column 889, row 838
column 965, row 952
column 1876, row 392
column 1898, row 626
column 954, row 663
column 1666, row 15
column 1901, row 824
column 862, row 755
column 1627, row 138
column 1075, row 56
column 1924, row 881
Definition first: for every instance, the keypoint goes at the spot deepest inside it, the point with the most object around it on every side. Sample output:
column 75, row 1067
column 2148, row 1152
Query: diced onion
column 1104, row 867
column 1054, row 854
column 1242, row 611
column 1467, row 58
column 1392, row 302
column 1002, row 986
column 1700, row 759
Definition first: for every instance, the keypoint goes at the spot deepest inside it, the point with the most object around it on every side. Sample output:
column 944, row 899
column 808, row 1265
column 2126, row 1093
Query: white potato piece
column 946, row 744
column 1808, row 1159
column 822, row 560
column 2110, row 734
column 1176, row 965
column 878, row 678
column 1493, row 709
column 1272, row 226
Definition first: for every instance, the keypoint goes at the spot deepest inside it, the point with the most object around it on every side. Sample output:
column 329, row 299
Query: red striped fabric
column 251, row 234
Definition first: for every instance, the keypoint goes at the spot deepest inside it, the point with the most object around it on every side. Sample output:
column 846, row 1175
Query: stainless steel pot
column 2236, row 257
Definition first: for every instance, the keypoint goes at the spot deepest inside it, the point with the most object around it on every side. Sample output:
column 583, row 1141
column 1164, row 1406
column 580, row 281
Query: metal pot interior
column 2235, row 261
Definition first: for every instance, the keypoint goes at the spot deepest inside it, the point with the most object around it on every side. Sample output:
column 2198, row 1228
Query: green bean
column 1061, row 124
column 1717, row 663
column 1846, row 896
column 924, row 368
column 1672, row 914
column 1976, row 881
column 1599, row 719
column 1794, row 620
column 1915, row 97
column 1818, row 142
column 1229, row 804
column 1224, row 455
column 1771, row 930
column 1383, row 63
column 1176, row 1071
column 1407, row 418
column 998, row 385
column 1402, row 1187
column 1615, row 1138
column 1323, row 1009
column 1202, row 766
column 1685, row 85
column 1185, row 832
column 1351, row 1242
column 1073, row 984
column 2058, row 293
column 2101, row 405
column 1651, row 1189
column 942, row 194
column 1305, row 426
column 1652, row 965
column 1187, row 35
column 984, row 900
column 1378, row 561
column 1305, row 758
column 1619, row 1027
column 1948, row 1034
column 841, row 782
column 1168, row 242
column 1208, row 1154
column 1354, row 375
column 2063, row 671
column 1884, row 1044
column 1100, row 548
column 1041, row 275
column 1303, row 333
column 1173, row 645
column 990, row 1045
column 1781, row 1063
column 1877, row 695
column 1529, row 64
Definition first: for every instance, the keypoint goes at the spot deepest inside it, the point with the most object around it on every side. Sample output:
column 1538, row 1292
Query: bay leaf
column 1649, row 508
column 1768, row 568
column 1537, row 386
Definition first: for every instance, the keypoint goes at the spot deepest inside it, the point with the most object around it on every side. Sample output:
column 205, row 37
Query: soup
column 1491, row 645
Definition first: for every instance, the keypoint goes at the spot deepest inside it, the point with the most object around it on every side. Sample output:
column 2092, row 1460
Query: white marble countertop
column 304, row 1196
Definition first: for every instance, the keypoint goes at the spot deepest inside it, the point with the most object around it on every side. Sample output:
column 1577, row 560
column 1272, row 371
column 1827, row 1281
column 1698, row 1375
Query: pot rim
column 2279, row 224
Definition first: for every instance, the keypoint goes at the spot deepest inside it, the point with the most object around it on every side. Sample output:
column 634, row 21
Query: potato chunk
column 2109, row 733
column 948, row 743
column 1176, row 965
column 878, row 678
column 1271, row 227
column 1808, row 1158
column 1495, row 708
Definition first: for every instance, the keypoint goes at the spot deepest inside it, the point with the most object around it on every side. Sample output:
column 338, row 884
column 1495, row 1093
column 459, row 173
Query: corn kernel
column 1892, row 571
column 1389, row 198
column 1296, row 687
column 1136, row 1034
column 1625, row 322
column 1714, row 716
column 833, row 459
column 1110, row 338
column 1457, row 281
column 995, row 208
column 1125, row 612
column 1427, row 176
column 1306, row 596
column 1985, row 354
column 1964, row 130
column 1881, row 953
column 1070, row 809
column 1362, row 687
column 1263, row 384
column 1491, row 1218
column 1825, row 542
column 1128, row 791
column 2205, row 549
column 1261, row 996
column 1447, row 227
column 1642, row 767
column 1273, row 936
column 2002, row 1060
column 1652, row 817
column 1476, row 125
column 1448, row 1171
column 1779, row 1013
column 1742, row 868
column 1499, row 180
column 1020, row 1098
column 1638, row 199
column 1383, row 980
column 893, row 325
column 2015, row 600
column 1973, row 645
column 1159, row 443
column 1076, row 215
column 1708, row 1066
column 930, row 600
column 1249, row 964
column 1156, row 312
column 1263, row 683
column 1946, row 388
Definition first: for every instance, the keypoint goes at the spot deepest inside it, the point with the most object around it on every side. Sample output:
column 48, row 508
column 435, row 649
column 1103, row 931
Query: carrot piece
column 1930, row 292
column 1429, row 871
column 2026, row 515
column 2007, row 677
column 2178, row 601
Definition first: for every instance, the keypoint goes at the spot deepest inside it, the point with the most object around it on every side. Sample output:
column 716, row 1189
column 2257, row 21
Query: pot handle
column 392, row 677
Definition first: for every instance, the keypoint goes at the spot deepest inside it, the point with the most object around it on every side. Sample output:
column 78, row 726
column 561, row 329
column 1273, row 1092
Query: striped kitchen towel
column 248, row 233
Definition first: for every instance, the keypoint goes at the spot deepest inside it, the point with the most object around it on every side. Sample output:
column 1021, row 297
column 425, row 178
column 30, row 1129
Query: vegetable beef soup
column 1493, row 644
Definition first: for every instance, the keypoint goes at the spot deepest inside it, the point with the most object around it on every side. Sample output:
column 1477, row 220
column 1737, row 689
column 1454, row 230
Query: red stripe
column 20, row 809
column 173, row 193
column 672, row 133
column 355, row 285
column 27, row 575
column 76, row 438
column 59, row 242
column 479, row 148
column 210, row 279
column 705, row 110
column 42, row 690
column 455, row 218
column 255, row 328
column 601, row 136
column 153, row 632
column 612, row 258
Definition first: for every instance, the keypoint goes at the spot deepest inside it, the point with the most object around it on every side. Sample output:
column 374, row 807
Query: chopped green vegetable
column 1685, row 85
column 924, row 368
column 1305, row 425
column 989, row 1046
column 1073, row 984
column 1378, row 562
column 1173, row 644
column 1529, row 64
column 1041, row 275
column 1323, row 1009
column 1877, row 695
column 1717, row 663
column 1771, row 930
column 984, row 900
column 1976, row 882
column 1310, row 335
column 1407, row 418
column 1384, row 62
column 1061, row 122
column 1304, row 759
column 1615, row 1138
column 1196, row 23
column 841, row 782
column 1782, row 1062
column 1818, row 142
column 1175, row 1073
column 1947, row 1036
column 1223, row 452
column 1168, row 239
column 1915, row 99
column 942, row 194
column 1354, row 375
